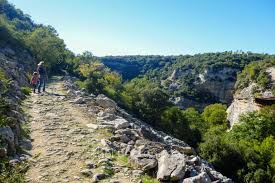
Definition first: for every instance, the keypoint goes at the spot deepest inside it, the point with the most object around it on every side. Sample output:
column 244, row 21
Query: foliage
column 132, row 66
column 45, row 45
column 148, row 179
column 215, row 114
column 26, row 90
column 17, row 29
column 99, row 79
column 10, row 174
column 4, row 82
column 157, row 69
column 175, row 122
column 181, row 124
column 256, row 72
column 247, row 152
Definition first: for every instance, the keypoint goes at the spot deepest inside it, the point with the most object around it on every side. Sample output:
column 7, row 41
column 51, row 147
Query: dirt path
column 62, row 144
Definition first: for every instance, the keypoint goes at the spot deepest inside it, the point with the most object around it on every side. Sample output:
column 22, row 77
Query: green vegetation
column 18, row 30
column 215, row 114
column 256, row 72
column 159, row 68
column 9, row 174
column 26, row 90
column 122, row 160
column 148, row 179
column 132, row 66
column 247, row 152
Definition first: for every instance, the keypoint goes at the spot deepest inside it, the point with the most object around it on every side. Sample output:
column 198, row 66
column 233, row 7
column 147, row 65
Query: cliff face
column 219, row 83
column 246, row 100
column 243, row 102
column 215, row 84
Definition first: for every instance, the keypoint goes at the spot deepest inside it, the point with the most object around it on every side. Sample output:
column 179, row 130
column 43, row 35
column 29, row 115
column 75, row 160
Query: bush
column 247, row 152
column 10, row 174
column 255, row 72
column 26, row 90
column 215, row 114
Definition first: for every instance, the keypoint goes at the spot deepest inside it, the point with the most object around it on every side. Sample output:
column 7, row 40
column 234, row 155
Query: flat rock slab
column 93, row 126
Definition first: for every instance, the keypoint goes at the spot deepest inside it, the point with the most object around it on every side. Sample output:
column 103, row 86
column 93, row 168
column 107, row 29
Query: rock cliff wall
column 15, row 63
column 243, row 103
column 215, row 84
column 246, row 100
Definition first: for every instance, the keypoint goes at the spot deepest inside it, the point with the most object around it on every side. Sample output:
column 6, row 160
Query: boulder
column 149, row 147
column 105, row 102
column 217, row 176
column 79, row 100
column 99, row 176
column 93, row 126
column 103, row 115
column 201, row 178
column 143, row 161
column 8, row 136
column 185, row 150
column 121, row 123
column 125, row 136
column 194, row 161
column 171, row 167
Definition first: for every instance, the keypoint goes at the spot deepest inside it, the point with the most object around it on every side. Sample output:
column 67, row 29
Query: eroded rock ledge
column 151, row 151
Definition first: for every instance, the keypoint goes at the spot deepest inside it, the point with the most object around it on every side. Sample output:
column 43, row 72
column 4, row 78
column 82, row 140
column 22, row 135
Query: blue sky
column 164, row 27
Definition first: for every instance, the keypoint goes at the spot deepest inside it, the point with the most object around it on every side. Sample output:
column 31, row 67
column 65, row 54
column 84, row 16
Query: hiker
column 43, row 77
column 34, row 81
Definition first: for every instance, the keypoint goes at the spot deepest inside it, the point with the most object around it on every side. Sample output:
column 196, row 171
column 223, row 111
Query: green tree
column 215, row 114
column 47, row 46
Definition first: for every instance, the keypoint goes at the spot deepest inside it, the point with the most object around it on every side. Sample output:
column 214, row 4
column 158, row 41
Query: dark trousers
column 34, row 86
column 42, row 83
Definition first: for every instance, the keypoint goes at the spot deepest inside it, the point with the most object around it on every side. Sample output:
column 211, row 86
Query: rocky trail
column 79, row 137
column 63, row 148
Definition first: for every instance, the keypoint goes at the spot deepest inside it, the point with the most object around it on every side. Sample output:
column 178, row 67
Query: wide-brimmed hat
column 40, row 63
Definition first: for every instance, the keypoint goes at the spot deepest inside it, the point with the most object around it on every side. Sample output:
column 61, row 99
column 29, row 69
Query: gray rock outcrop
column 16, row 63
column 243, row 103
column 171, row 167
column 245, row 100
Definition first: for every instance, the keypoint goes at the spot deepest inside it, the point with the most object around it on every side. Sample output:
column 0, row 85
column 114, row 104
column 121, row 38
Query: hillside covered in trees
column 195, row 81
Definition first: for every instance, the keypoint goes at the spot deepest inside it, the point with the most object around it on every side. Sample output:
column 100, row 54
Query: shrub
column 26, row 90
column 247, row 152
column 148, row 179
column 10, row 174
column 215, row 114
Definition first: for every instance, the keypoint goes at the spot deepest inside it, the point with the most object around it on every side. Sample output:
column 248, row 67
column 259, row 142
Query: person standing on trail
column 43, row 77
column 34, row 81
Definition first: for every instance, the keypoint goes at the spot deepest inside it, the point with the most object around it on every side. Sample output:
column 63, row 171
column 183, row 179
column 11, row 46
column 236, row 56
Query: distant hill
column 190, row 80
column 132, row 66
